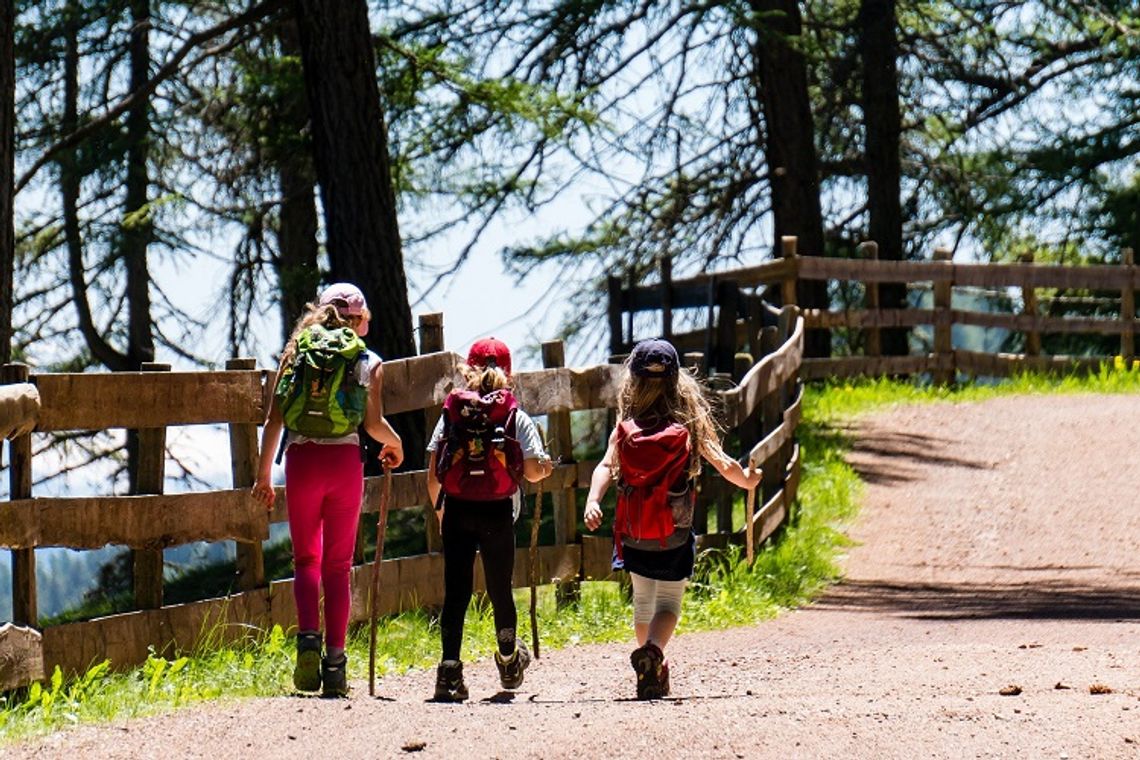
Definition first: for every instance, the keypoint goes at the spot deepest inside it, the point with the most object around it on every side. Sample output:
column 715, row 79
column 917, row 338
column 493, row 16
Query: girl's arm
column 432, row 481
column 270, row 439
column 392, row 453
column 599, row 484
column 537, row 469
column 729, row 468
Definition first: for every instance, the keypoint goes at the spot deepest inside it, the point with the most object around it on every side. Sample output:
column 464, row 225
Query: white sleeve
column 529, row 438
column 436, row 435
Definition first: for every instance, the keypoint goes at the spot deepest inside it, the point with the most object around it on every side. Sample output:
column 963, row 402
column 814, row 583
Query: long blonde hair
column 315, row 314
column 484, row 379
column 679, row 399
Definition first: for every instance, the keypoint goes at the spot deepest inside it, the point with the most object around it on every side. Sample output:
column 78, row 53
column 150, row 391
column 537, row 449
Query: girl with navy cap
column 654, row 455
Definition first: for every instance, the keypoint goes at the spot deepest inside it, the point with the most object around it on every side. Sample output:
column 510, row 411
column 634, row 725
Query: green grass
column 724, row 591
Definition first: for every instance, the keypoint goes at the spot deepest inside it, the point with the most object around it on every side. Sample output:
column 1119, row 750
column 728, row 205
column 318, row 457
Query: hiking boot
column 449, row 686
column 307, row 672
column 334, row 677
column 647, row 662
column 511, row 668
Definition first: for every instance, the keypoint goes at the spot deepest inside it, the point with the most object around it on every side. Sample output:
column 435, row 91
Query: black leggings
column 489, row 527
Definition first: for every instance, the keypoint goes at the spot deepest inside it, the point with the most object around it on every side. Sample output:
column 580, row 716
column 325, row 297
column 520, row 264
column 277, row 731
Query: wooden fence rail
column 763, row 409
column 731, row 321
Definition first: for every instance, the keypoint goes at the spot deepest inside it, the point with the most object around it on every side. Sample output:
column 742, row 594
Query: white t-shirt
column 529, row 439
column 525, row 430
column 362, row 376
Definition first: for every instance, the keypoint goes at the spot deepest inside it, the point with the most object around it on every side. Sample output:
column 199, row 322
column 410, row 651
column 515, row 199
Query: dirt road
column 997, row 551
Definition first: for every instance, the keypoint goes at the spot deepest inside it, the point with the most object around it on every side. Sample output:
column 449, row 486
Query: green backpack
column 318, row 393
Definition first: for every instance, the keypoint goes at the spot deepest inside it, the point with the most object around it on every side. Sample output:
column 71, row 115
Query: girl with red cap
column 480, row 450
column 324, row 484
column 665, row 428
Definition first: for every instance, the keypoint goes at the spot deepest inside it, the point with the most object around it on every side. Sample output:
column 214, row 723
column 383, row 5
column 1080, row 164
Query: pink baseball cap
column 348, row 300
column 490, row 352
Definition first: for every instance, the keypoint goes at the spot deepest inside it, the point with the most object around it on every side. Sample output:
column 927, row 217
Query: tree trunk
column 883, row 125
column 69, row 186
column 7, row 175
column 137, row 227
column 297, row 270
column 350, row 148
column 790, row 149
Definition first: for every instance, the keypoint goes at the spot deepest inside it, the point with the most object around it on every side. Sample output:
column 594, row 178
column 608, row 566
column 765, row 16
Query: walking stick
column 749, row 511
column 535, row 522
column 381, row 529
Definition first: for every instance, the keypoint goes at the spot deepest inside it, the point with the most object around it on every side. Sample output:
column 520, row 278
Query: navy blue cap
column 654, row 358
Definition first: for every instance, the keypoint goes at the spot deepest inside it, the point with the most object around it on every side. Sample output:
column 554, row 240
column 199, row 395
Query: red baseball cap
column 347, row 299
column 490, row 352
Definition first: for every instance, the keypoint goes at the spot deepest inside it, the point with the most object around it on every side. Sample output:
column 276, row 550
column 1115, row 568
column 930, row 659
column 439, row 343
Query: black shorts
column 665, row 565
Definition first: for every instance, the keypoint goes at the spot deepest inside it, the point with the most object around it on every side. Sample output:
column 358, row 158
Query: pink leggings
column 324, row 484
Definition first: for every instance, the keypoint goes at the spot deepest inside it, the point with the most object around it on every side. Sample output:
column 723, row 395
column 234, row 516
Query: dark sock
column 506, row 638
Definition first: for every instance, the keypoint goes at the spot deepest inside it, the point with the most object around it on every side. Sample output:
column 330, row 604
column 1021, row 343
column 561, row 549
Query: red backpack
column 480, row 457
column 653, row 462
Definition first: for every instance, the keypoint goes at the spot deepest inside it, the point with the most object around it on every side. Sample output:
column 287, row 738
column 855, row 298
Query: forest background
column 177, row 177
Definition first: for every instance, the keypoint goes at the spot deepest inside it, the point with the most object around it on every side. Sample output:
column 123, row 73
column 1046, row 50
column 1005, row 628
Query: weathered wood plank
column 693, row 291
column 863, row 318
column 420, row 381
column 1002, row 365
column 765, row 377
column 96, row 401
column 1032, row 323
column 870, row 366
column 21, row 656
column 816, row 268
column 568, row 389
column 149, row 522
column 19, row 409
column 772, row 442
column 243, row 469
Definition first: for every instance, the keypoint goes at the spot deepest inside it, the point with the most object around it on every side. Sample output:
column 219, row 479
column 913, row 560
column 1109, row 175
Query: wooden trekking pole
column 374, row 592
column 534, row 525
column 749, row 512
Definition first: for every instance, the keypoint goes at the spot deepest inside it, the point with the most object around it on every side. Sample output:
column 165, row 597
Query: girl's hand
column 753, row 476
column 593, row 515
column 263, row 492
column 392, row 455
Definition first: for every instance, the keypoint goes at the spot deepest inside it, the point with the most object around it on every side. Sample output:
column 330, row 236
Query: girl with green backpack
column 328, row 383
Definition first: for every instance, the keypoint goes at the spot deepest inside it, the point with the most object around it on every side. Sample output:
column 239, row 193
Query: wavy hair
column 681, row 399
column 484, row 379
column 314, row 314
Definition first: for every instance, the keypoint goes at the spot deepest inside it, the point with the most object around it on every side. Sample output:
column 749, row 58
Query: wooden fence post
column 771, row 415
column 1029, row 308
column 431, row 341
column 874, row 344
column 25, row 605
column 666, row 266
column 147, row 563
column 613, row 313
column 1128, row 309
column 788, row 284
column 727, row 299
column 564, row 499
column 943, row 347
column 243, row 465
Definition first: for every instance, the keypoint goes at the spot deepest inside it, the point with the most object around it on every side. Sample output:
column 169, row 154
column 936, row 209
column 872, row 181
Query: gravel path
column 996, row 551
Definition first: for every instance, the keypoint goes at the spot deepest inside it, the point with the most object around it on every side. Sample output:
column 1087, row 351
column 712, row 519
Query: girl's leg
column 497, row 547
column 458, row 578
column 644, row 605
column 304, row 487
column 341, row 518
column 656, row 609
column 666, row 613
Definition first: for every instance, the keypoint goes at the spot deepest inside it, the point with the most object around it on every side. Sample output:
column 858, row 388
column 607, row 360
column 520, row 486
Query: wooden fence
column 763, row 408
column 735, row 310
